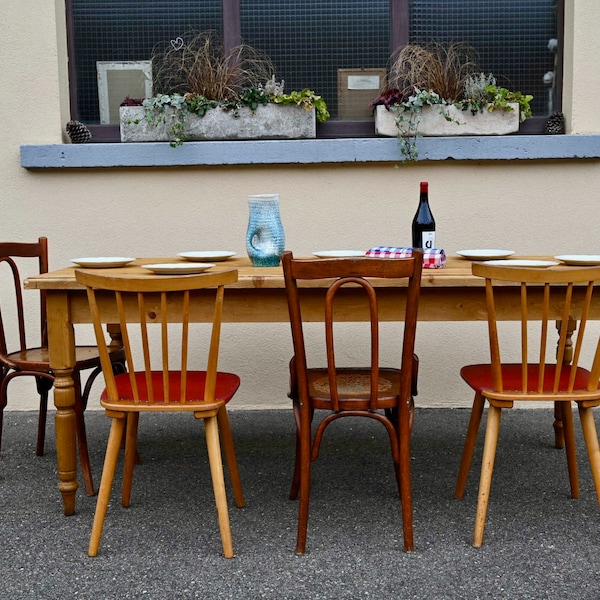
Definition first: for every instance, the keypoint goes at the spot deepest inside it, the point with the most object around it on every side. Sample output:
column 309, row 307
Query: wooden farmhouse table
column 448, row 294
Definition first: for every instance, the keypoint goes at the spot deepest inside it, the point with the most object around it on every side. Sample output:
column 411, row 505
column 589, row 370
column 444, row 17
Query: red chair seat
column 227, row 385
column 479, row 377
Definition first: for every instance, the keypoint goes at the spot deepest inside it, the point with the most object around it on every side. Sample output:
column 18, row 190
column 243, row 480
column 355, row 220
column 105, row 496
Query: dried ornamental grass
column 438, row 68
column 197, row 63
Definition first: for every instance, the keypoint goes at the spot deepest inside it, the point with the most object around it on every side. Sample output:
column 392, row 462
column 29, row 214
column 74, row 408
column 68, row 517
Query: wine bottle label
column 428, row 239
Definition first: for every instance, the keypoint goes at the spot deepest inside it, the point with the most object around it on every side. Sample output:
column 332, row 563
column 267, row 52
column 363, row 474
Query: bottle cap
column 424, row 186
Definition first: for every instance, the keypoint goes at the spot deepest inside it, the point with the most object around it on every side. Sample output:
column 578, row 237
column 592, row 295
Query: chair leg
column 130, row 456
column 44, row 385
column 216, row 470
column 230, row 458
column 590, row 435
column 571, row 451
column 304, row 479
column 3, row 399
column 470, row 441
column 108, row 474
column 487, row 466
column 296, row 477
column 405, row 426
column 84, row 457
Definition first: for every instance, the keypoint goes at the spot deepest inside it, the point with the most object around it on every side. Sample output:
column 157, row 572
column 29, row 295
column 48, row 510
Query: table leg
column 116, row 337
column 559, row 436
column 61, row 347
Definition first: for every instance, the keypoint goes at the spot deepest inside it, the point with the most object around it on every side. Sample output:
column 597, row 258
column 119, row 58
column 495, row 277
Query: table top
column 456, row 273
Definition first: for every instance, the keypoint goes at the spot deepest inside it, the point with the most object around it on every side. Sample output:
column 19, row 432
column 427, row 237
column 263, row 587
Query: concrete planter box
column 497, row 122
column 267, row 122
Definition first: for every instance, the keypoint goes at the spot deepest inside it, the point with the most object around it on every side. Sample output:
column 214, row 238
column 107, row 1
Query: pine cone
column 555, row 124
column 78, row 132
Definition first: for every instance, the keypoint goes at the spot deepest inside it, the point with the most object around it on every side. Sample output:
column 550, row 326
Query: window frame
column 399, row 19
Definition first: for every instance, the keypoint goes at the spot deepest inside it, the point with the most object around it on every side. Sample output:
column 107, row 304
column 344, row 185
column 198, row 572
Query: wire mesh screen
column 309, row 41
column 339, row 48
column 126, row 31
column 511, row 38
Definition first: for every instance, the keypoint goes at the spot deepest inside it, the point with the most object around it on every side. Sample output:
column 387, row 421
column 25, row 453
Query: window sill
column 316, row 151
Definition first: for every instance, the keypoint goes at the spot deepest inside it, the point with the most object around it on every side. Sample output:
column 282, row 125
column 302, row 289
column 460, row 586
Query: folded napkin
column 432, row 259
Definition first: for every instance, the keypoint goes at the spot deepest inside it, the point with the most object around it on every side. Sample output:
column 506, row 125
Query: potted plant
column 440, row 90
column 201, row 92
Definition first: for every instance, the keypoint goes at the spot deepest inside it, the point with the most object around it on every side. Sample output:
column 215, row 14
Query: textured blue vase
column 265, row 239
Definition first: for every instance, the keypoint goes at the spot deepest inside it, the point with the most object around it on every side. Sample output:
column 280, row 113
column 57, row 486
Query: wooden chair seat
column 226, row 386
column 354, row 388
column 37, row 359
column 481, row 378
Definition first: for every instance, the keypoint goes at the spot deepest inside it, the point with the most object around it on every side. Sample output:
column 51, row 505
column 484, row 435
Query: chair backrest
column 137, row 305
column 558, row 298
column 361, row 272
column 10, row 252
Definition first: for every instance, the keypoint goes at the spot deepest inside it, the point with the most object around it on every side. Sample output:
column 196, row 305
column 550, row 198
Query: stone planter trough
column 267, row 122
column 497, row 122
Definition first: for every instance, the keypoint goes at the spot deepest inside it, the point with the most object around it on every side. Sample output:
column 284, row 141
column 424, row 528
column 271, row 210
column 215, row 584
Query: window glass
column 310, row 41
column 511, row 38
column 128, row 31
column 338, row 48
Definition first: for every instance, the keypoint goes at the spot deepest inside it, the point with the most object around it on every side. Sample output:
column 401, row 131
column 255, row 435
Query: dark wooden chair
column 160, row 380
column 17, row 359
column 372, row 391
column 546, row 371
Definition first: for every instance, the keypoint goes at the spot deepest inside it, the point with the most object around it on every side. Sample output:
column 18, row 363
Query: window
column 339, row 48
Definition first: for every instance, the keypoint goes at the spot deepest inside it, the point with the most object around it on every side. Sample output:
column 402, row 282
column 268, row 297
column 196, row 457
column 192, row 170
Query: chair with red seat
column 546, row 371
column 17, row 359
column 153, row 313
column 374, row 391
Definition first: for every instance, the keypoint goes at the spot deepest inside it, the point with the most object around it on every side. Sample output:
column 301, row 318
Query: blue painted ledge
column 269, row 152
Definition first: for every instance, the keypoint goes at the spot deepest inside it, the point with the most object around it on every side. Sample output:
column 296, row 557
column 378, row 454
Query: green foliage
column 500, row 98
column 175, row 108
column 476, row 87
column 408, row 114
column 306, row 98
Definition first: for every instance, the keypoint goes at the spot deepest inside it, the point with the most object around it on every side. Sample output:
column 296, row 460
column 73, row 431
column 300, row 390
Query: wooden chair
column 170, row 386
column 546, row 371
column 34, row 361
column 374, row 391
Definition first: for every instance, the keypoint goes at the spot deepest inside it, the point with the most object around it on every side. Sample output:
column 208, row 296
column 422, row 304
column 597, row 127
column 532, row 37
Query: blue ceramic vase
column 265, row 239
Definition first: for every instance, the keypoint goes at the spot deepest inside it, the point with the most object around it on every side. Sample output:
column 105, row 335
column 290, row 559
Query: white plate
column 202, row 255
column 522, row 263
column 178, row 268
column 338, row 253
column 102, row 262
column 484, row 253
column 579, row 259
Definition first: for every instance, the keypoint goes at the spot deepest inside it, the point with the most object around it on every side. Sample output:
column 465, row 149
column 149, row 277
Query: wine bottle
column 423, row 225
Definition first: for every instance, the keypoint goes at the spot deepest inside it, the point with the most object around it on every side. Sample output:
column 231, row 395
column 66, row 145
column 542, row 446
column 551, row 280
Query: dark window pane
column 309, row 41
column 129, row 30
column 511, row 38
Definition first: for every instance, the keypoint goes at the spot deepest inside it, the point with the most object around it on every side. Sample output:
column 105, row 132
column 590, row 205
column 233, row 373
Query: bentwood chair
column 373, row 391
column 17, row 359
column 546, row 370
column 162, row 381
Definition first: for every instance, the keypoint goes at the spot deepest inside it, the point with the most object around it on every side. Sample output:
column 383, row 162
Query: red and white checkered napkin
column 432, row 259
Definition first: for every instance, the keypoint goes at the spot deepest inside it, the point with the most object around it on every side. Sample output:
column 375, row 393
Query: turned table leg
column 61, row 346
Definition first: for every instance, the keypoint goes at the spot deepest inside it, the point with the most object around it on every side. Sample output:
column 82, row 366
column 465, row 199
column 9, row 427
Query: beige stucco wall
column 534, row 207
